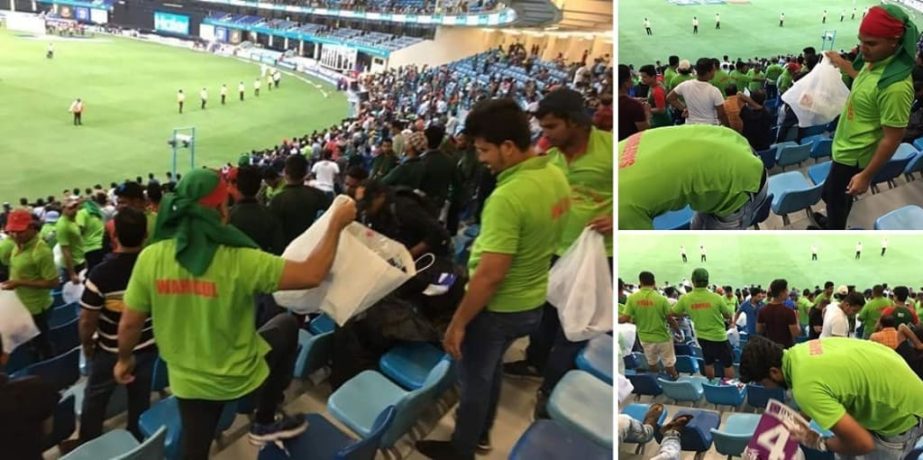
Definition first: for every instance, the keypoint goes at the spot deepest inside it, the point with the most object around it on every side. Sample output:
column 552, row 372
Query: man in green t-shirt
column 757, row 78
column 660, row 171
column 862, row 391
column 870, row 313
column 876, row 113
column 32, row 274
column 740, row 76
column 584, row 154
column 71, row 241
column 709, row 313
column 521, row 227
column 197, row 279
column 91, row 222
column 731, row 298
column 650, row 312
column 773, row 71
column 670, row 72
column 803, row 304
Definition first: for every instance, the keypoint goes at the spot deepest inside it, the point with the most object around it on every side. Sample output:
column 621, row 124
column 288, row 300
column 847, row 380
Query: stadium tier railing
column 503, row 15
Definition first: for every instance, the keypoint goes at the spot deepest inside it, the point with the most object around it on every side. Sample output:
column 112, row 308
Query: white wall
column 451, row 44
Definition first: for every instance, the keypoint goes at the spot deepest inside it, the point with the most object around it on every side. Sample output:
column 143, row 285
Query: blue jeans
column 101, row 384
column 740, row 219
column 892, row 447
column 480, row 372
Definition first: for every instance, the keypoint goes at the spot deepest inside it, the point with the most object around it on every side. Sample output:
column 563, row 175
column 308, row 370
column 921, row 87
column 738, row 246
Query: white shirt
column 241, row 88
column 702, row 250
column 224, row 90
column 180, row 97
column 682, row 250
column 326, row 172
column 814, row 249
column 836, row 324
column 203, row 94
column 884, row 244
column 695, row 22
column 701, row 99
column 647, row 23
column 717, row 18
column 859, row 247
column 256, row 84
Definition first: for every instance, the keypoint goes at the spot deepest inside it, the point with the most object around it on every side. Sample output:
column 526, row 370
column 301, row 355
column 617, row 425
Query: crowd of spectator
column 399, row 7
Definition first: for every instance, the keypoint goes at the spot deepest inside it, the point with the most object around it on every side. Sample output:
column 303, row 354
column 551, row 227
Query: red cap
column 880, row 24
column 18, row 220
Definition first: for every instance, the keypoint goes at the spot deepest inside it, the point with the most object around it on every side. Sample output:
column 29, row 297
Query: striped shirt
column 103, row 292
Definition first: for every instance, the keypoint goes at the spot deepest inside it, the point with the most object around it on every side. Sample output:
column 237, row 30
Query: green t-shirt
column 870, row 313
column 742, row 80
column 785, row 81
column 69, row 236
column 836, row 376
column 668, row 76
column 773, row 72
column 756, row 80
column 733, row 302
column 649, row 310
column 720, row 81
column 708, row 311
column 48, row 234
column 590, row 179
column 34, row 262
column 660, row 170
column 204, row 325
column 820, row 298
column 6, row 250
column 679, row 78
column 524, row 217
column 91, row 228
column 804, row 309
column 867, row 110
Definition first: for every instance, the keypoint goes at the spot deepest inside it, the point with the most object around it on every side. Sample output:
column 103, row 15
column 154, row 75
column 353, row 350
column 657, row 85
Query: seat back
column 19, row 359
column 321, row 324
column 365, row 449
column 768, row 156
column 730, row 444
column 811, row 140
column 61, row 371
column 65, row 337
column 680, row 390
column 819, row 172
column 161, row 378
column 822, row 148
column 674, row 220
column 687, row 364
column 315, row 354
column 793, row 155
column 891, row 169
column 414, row 402
column 682, row 349
column 909, row 217
column 796, row 200
column 63, row 315
column 645, row 384
column 641, row 360
column 758, row 396
column 151, row 449
column 915, row 164
column 723, row 395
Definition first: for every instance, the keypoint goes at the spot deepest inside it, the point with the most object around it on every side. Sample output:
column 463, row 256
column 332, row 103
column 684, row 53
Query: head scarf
column 92, row 207
column 890, row 21
column 189, row 217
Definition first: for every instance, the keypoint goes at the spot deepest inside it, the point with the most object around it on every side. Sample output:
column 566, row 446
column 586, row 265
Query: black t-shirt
column 757, row 127
column 25, row 404
column 103, row 292
column 913, row 357
column 815, row 318
column 777, row 318
column 630, row 112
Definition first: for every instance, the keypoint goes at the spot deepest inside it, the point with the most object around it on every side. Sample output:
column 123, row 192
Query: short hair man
column 775, row 321
column 702, row 102
column 836, row 316
column 708, row 312
column 250, row 216
column 861, row 391
column 296, row 205
column 650, row 312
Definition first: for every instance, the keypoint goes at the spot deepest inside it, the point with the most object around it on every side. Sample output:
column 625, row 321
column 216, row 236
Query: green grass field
column 747, row 30
column 130, row 92
column 759, row 258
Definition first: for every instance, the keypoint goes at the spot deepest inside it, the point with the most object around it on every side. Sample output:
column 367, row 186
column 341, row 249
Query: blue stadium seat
column 57, row 298
column 687, row 365
column 682, row 349
column 768, row 156
column 63, row 315
column 821, row 148
column 819, row 172
column 165, row 413
column 358, row 402
column 674, row 220
column 724, row 395
column 22, row 357
column 894, row 167
column 409, row 364
column 323, row 440
column 630, row 361
column 575, row 404
column 696, row 435
column 792, row 155
column 321, row 324
column 908, row 217
column 549, row 440
column 762, row 213
column 918, row 143
column 121, row 445
column 61, row 371
column 596, row 358
column 738, row 429
column 313, row 353
column 684, row 389
column 792, row 192
column 812, row 131
column 758, row 396
column 161, row 378
column 811, row 140
column 915, row 165
column 65, row 337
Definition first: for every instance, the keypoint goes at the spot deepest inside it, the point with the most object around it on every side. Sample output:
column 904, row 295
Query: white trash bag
column 580, row 286
column 16, row 324
column 819, row 96
column 368, row 266
column 72, row 292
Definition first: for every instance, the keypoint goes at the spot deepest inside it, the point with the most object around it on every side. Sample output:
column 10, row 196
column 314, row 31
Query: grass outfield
column 747, row 30
column 130, row 92
column 759, row 258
